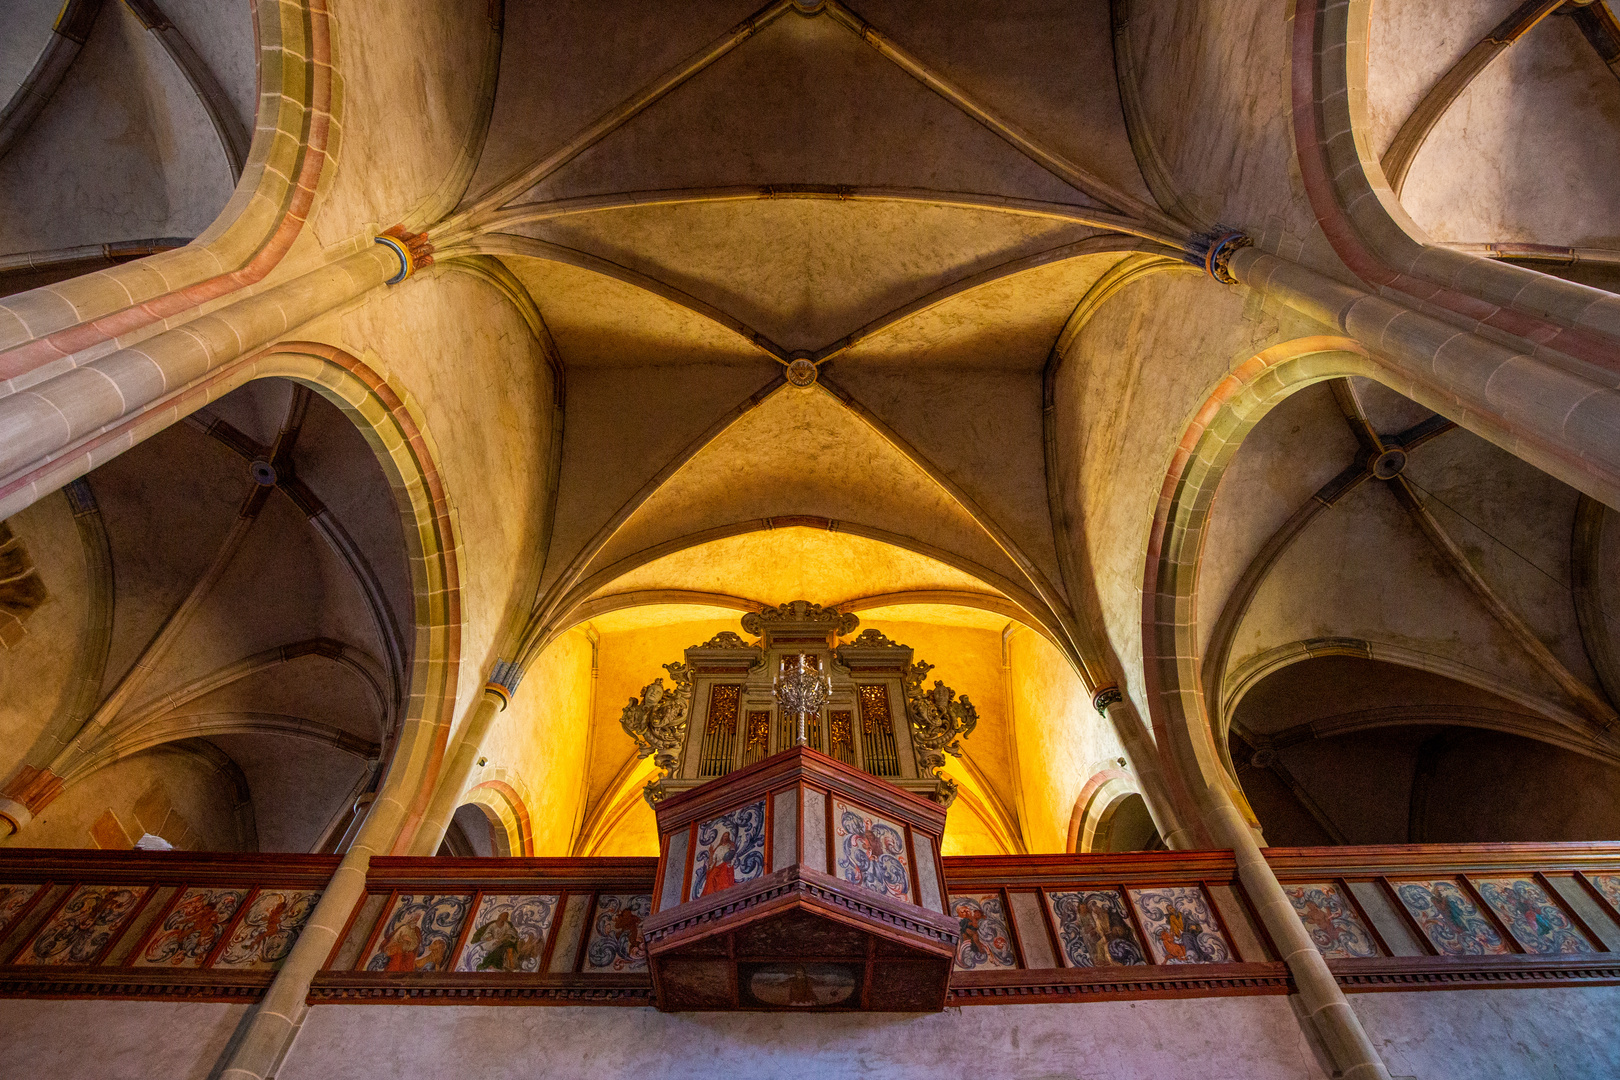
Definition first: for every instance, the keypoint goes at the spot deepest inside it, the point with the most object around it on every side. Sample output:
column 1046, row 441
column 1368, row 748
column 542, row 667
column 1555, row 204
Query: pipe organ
column 722, row 714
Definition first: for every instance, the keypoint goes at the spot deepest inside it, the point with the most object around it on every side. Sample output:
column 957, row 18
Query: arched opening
column 474, row 832
column 239, row 587
column 1036, row 740
column 1127, row 826
column 1347, row 750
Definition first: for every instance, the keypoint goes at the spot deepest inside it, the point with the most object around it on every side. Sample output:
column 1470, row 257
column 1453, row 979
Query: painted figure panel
column 615, row 943
column 986, row 942
column 1608, row 886
column 84, row 925
column 268, row 929
column 871, row 851
column 1451, row 920
column 509, row 933
column 730, row 850
column 13, row 899
column 1095, row 928
column 1180, row 927
column 1331, row 920
column 419, row 933
column 192, row 928
column 1535, row 922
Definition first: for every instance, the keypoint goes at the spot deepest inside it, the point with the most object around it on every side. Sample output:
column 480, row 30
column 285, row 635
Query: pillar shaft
column 453, row 778
column 1143, row 756
column 1559, row 416
column 65, row 419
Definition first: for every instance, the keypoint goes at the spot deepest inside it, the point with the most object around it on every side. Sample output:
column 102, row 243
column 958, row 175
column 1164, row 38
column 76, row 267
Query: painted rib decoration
column 657, row 720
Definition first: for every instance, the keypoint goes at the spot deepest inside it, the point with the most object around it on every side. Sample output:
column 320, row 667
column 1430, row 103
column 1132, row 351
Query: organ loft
column 792, row 538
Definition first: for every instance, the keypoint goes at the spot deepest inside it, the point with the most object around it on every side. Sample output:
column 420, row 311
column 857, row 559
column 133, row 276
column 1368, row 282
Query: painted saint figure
column 722, row 872
column 505, row 946
column 402, row 945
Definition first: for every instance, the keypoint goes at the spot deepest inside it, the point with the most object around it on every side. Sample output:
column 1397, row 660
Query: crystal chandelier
column 801, row 690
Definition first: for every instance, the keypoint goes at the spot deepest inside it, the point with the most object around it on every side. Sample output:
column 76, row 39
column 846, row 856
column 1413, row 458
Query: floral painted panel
column 13, row 899
column 1180, row 927
column 509, row 933
column 268, row 929
column 1332, row 921
column 1095, row 928
column 1532, row 918
column 1450, row 918
column 84, row 925
column 1608, row 886
column 615, row 942
column 730, row 850
column 192, row 928
column 419, row 933
column 871, row 851
column 986, row 942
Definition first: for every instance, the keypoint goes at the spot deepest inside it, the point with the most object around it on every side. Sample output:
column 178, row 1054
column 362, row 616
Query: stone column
column 503, row 681
column 1347, row 1045
column 63, row 418
column 1559, row 415
column 1144, row 760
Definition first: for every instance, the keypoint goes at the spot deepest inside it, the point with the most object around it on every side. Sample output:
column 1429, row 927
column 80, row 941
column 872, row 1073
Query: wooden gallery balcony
column 813, row 911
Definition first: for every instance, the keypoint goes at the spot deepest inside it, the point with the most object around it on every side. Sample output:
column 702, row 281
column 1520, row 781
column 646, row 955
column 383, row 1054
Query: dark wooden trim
column 1507, row 971
column 208, row 869
column 1116, row 983
column 481, row 988
column 151, row 983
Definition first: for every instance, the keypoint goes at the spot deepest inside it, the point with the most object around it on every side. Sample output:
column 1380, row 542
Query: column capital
column 1106, row 696
column 414, row 251
column 1218, row 256
column 503, row 681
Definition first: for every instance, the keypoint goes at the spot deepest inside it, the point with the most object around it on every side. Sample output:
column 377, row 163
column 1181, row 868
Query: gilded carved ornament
column 800, row 611
column 657, row 720
column 939, row 721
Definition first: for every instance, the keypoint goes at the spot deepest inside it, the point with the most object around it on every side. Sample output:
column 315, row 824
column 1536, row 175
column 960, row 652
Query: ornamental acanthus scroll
column 657, row 720
column 939, row 722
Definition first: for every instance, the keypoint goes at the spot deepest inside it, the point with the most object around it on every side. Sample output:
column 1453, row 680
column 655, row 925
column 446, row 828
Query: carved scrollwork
column 728, row 639
column 873, row 638
column 800, row 611
column 657, row 720
column 939, row 720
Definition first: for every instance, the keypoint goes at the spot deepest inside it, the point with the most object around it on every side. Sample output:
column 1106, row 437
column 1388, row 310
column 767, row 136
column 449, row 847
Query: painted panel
column 1450, row 918
column 674, row 869
column 1386, row 916
column 1032, row 932
column 986, row 942
column 1608, row 886
column 871, row 850
column 927, row 875
column 1094, row 929
column 13, row 898
column 730, row 850
column 815, row 829
column 1180, row 927
column 1331, row 920
column 268, row 929
column 566, row 951
column 1531, row 916
column 192, row 928
column 784, row 828
column 508, row 933
column 616, row 943
column 419, row 932
column 84, row 925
